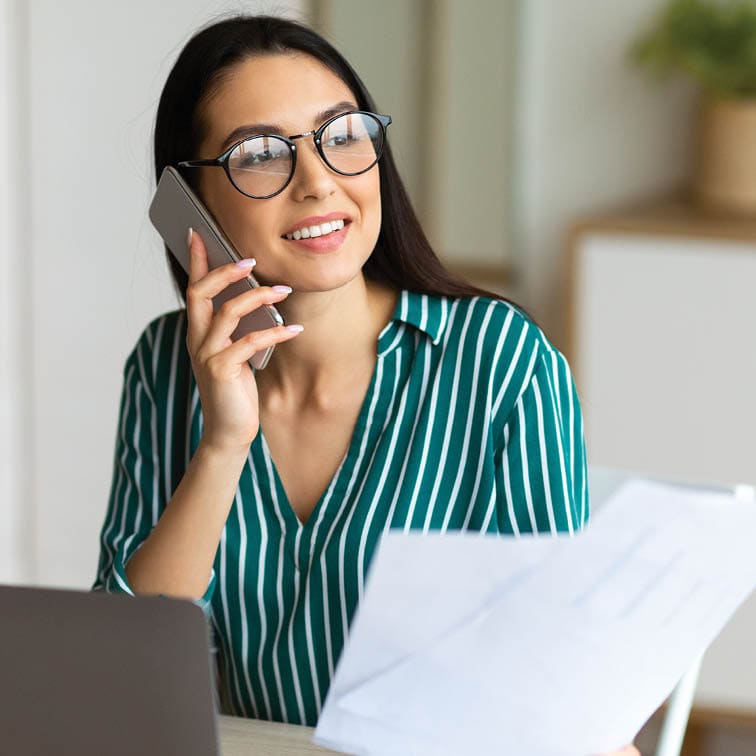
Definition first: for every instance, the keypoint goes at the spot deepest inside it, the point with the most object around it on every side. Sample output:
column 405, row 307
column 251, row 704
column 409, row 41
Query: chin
column 323, row 280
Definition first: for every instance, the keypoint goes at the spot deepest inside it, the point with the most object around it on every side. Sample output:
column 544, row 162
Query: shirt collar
column 426, row 313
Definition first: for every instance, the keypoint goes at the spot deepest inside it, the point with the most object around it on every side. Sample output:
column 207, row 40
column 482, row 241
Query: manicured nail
column 189, row 235
column 295, row 328
column 246, row 263
column 282, row 289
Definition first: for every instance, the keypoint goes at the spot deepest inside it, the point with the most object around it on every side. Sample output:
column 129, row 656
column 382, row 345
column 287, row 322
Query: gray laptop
column 93, row 674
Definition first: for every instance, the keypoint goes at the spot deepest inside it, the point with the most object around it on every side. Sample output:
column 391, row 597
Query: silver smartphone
column 174, row 208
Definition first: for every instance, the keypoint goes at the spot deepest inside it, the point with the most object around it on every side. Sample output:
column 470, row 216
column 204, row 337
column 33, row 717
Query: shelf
column 669, row 216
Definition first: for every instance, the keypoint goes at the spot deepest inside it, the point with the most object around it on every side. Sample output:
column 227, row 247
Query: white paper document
column 539, row 645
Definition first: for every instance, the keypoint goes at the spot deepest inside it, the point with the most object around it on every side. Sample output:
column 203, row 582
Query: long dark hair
column 403, row 257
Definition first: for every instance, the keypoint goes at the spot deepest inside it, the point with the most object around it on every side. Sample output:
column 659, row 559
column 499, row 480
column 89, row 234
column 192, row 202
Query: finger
column 246, row 347
column 198, row 311
column 212, row 282
column 199, row 298
column 199, row 302
column 231, row 312
column 197, row 256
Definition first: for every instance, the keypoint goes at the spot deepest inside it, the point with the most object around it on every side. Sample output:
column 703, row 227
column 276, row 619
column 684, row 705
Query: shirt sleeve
column 541, row 472
column 136, row 499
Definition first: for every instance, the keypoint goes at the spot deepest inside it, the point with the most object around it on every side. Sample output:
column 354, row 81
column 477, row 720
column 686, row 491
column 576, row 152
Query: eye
column 259, row 153
column 339, row 140
column 265, row 156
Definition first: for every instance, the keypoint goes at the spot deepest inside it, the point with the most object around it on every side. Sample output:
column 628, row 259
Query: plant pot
column 725, row 176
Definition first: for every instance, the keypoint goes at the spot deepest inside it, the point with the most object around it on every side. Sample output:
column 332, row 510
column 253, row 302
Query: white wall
column 92, row 261
column 15, row 350
column 444, row 70
column 592, row 131
column 470, row 160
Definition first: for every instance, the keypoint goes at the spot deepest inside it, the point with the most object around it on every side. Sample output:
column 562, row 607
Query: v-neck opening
column 298, row 534
column 283, row 496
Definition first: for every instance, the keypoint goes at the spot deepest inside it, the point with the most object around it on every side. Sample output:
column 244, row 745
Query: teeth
column 311, row 232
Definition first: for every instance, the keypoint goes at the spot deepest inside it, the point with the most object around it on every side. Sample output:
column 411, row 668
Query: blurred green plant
column 712, row 41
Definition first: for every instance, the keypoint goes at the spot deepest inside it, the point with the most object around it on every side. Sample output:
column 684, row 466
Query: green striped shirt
column 471, row 422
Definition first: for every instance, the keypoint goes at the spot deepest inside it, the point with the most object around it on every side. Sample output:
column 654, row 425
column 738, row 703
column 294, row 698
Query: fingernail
column 282, row 289
column 246, row 263
column 295, row 328
column 189, row 235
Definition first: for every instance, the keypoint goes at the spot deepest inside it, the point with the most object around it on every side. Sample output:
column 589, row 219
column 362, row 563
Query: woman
column 396, row 397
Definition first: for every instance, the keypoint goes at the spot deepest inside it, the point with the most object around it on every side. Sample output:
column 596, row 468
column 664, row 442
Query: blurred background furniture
column 662, row 320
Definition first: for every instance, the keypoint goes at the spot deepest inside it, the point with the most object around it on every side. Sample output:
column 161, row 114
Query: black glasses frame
column 222, row 160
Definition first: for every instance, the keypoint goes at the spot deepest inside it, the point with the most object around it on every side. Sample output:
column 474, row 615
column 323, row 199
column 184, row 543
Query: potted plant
column 714, row 43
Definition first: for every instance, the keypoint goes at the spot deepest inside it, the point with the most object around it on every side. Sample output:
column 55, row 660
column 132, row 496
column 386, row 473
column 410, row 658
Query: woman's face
column 290, row 91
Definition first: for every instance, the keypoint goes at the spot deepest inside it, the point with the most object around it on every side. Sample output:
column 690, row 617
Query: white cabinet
column 663, row 346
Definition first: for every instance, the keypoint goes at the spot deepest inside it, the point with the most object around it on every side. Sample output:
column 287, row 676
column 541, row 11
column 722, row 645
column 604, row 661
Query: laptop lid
column 91, row 673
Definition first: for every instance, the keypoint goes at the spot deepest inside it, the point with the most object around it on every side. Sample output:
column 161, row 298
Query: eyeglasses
column 262, row 165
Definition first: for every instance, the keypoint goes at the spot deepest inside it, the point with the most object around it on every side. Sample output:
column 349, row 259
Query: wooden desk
column 253, row 737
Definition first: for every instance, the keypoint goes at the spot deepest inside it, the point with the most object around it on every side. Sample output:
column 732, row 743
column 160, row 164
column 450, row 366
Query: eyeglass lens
column 351, row 144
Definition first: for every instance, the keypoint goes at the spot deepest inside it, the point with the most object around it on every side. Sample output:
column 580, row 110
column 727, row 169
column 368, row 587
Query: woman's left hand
column 630, row 750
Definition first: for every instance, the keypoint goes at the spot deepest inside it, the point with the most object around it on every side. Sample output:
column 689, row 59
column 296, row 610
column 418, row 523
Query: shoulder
column 507, row 346
column 501, row 331
column 160, row 346
column 491, row 315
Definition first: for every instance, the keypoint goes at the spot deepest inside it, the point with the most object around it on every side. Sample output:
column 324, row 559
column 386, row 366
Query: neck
column 339, row 341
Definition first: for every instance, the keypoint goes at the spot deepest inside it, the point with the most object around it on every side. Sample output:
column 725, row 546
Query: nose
column 312, row 177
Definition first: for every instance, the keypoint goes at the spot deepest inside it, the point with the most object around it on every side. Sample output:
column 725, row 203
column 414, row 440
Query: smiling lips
column 320, row 233
column 313, row 232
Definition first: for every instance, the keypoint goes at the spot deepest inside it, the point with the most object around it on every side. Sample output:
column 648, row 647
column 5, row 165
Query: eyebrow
column 273, row 128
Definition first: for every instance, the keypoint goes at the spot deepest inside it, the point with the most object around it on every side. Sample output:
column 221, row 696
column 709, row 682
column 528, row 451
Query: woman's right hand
column 225, row 381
